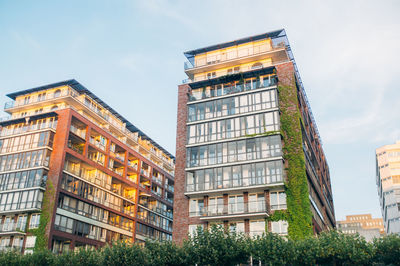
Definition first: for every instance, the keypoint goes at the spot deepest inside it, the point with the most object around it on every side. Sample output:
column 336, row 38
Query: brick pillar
column 246, row 226
column 87, row 138
column 226, row 202
column 56, row 166
column 246, row 202
column 267, row 201
column 181, row 202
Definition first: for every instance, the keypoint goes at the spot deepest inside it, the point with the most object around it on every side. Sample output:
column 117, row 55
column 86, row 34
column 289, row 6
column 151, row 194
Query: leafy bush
column 219, row 247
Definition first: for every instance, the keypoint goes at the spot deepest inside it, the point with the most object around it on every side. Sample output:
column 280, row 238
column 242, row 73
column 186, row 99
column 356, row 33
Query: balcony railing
column 243, row 183
column 157, row 180
column 232, row 55
column 77, row 131
column 12, row 227
column 11, row 248
column 232, row 89
column 46, row 97
column 231, row 209
column 155, row 209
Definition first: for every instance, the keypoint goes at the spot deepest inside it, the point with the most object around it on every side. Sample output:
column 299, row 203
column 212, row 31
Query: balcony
column 234, row 57
column 200, row 94
column 30, row 101
column 233, row 210
column 234, row 185
column 78, row 131
column 11, row 228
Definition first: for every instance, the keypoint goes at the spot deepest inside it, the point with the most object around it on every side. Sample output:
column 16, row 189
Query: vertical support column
column 181, row 202
column 205, row 204
column 247, row 226
column 87, row 139
column 267, row 208
column 267, row 201
column 56, row 166
column 226, row 202
column 246, row 202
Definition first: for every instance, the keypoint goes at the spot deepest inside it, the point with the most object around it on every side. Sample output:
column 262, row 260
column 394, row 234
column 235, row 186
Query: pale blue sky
column 130, row 54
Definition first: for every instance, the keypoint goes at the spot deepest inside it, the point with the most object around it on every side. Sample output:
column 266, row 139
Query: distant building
column 388, row 182
column 362, row 224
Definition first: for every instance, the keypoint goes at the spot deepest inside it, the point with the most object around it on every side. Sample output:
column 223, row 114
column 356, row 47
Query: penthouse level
column 74, row 172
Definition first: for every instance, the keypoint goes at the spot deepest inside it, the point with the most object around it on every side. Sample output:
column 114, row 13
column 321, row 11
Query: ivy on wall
column 47, row 207
column 298, row 213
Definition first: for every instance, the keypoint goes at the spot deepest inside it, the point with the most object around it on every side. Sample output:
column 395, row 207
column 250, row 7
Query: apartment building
column 75, row 173
column 362, row 224
column 388, row 183
column 230, row 163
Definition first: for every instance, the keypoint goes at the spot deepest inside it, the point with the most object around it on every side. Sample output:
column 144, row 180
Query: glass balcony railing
column 46, row 97
column 232, row 55
column 230, row 89
column 231, row 209
column 77, row 131
column 12, row 227
column 242, row 183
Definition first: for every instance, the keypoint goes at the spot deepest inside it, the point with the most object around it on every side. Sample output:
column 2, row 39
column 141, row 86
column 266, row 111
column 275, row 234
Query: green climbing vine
column 298, row 214
column 47, row 208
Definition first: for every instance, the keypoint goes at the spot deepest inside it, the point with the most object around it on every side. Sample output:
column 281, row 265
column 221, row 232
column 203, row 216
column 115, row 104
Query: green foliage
column 299, row 214
column 166, row 253
column 218, row 247
column 387, row 250
column 271, row 248
column 47, row 207
column 278, row 215
column 123, row 254
column 89, row 257
column 341, row 249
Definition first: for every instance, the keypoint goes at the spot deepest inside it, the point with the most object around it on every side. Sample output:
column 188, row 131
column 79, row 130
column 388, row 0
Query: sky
column 130, row 54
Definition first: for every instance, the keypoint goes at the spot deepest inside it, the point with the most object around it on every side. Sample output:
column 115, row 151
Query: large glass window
column 18, row 200
column 23, row 179
column 95, row 194
column 23, row 160
column 50, row 122
column 233, row 128
column 278, row 200
column 231, row 87
column 234, row 176
column 257, row 227
column 235, row 105
column 235, row 151
column 279, row 227
column 196, row 207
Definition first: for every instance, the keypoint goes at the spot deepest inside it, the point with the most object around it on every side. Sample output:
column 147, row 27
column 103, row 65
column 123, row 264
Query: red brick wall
column 181, row 202
column 56, row 162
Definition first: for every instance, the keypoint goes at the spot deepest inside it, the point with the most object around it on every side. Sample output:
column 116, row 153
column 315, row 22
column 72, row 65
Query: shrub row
column 216, row 247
